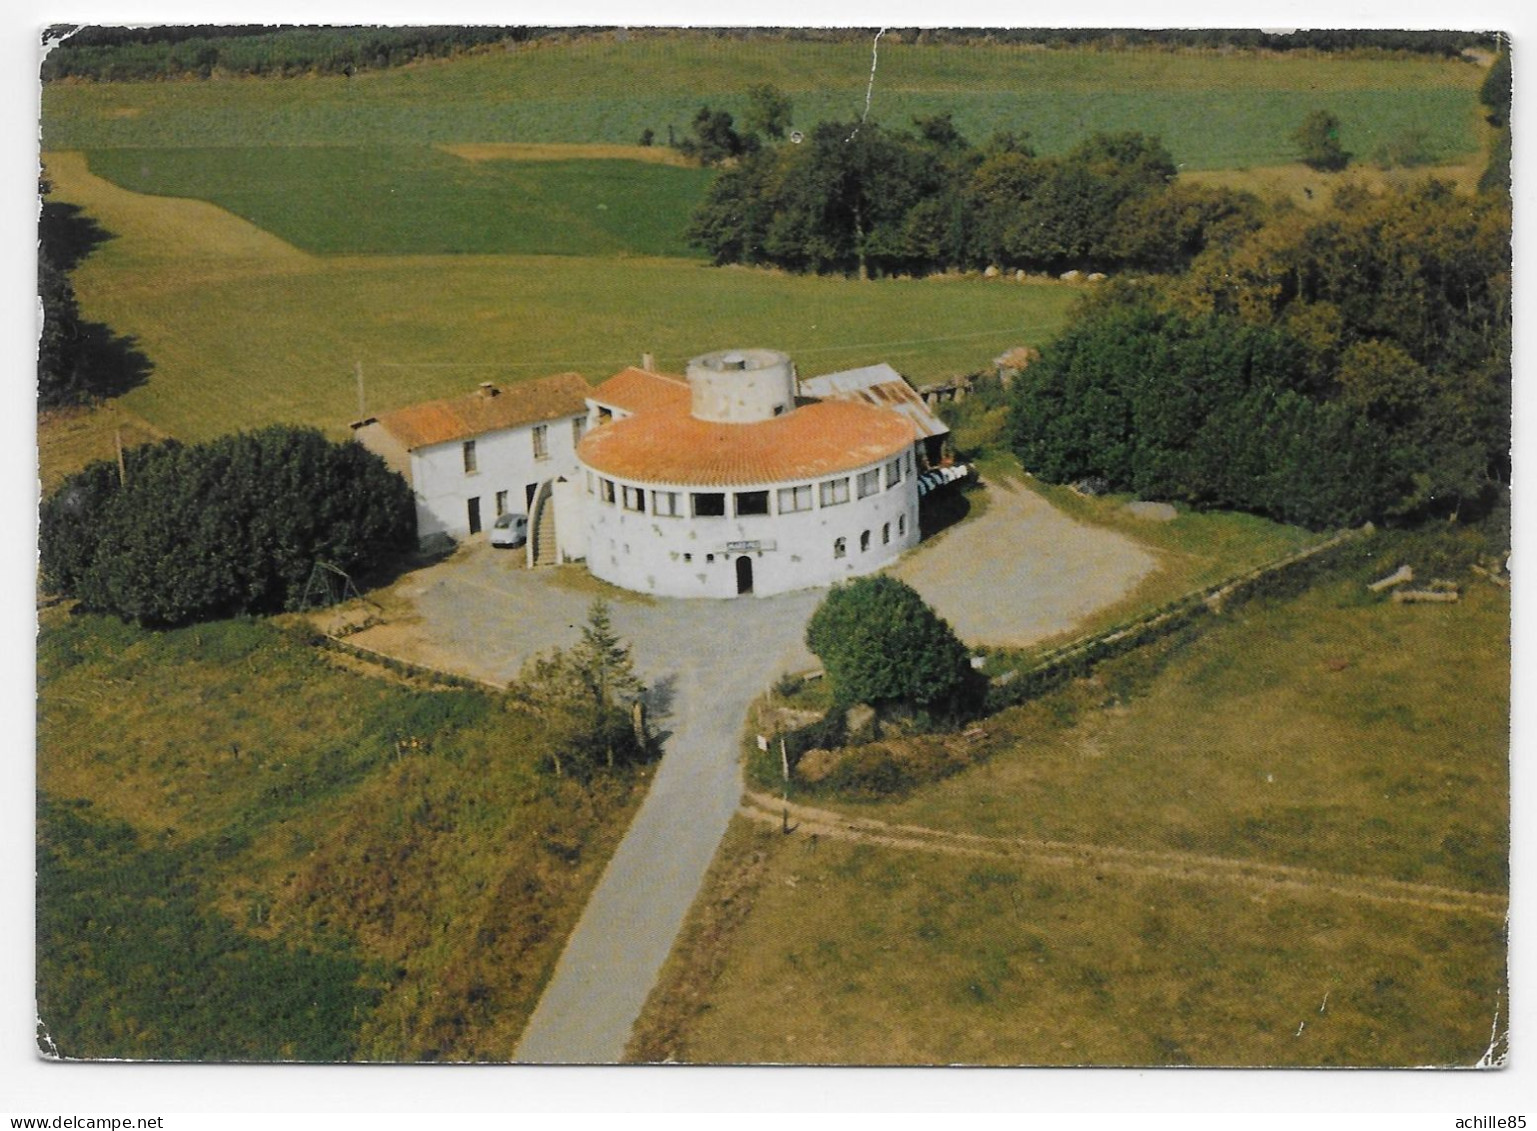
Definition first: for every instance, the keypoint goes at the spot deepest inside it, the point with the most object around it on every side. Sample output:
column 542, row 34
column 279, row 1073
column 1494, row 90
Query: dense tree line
column 77, row 360
column 858, row 198
column 183, row 533
column 117, row 53
column 1328, row 368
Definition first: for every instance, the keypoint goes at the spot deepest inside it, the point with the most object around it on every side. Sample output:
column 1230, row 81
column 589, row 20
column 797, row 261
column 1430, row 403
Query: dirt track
column 1174, row 865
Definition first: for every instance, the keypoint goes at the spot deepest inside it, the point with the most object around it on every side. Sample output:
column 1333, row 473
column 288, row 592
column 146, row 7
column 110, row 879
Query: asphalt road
column 718, row 656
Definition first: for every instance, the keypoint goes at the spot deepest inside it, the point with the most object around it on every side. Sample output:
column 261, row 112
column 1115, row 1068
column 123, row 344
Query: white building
column 729, row 484
column 471, row 459
column 738, row 479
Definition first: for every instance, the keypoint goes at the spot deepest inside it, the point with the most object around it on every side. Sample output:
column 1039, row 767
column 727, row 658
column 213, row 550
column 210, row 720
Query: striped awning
column 939, row 476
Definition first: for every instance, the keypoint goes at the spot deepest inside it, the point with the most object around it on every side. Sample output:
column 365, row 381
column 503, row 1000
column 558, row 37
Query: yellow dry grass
column 70, row 438
column 203, row 241
column 553, row 151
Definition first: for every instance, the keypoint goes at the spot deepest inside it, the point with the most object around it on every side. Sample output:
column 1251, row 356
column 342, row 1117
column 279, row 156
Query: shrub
column 189, row 533
column 882, row 645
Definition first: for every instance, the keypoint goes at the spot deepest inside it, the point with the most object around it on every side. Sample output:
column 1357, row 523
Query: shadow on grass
column 68, row 235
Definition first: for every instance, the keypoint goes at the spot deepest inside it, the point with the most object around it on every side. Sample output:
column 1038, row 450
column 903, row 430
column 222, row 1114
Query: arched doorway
column 743, row 575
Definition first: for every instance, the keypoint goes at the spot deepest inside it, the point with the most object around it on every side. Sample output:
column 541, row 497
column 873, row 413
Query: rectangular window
column 665, row 503
column 893, row 473
column 606, row 491
column 751, row 502
column 869, row 482
column 793, row 499
column 469, row 457
column 578, row 424
column 474, row 515
column 835, row 491
column 541, row 441
column 634, row 499
column 709, row 504
column 501, row 503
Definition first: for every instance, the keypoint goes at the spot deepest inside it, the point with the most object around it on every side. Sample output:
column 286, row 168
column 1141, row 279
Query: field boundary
column 1187, row 866
column 335, row 643
column 1078, row 656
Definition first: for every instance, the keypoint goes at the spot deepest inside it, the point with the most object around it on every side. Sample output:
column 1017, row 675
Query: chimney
column 488, row 389
column 648, row 363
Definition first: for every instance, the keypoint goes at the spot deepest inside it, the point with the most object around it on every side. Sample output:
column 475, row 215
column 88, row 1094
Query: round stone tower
column 741, row 386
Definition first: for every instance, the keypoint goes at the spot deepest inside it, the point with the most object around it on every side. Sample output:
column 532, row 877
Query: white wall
column 692, row 557
column 504, row 461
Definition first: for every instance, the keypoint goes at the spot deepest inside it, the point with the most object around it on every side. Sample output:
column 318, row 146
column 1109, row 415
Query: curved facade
column 744, row 491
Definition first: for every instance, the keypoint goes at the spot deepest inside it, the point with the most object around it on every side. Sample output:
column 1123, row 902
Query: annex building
column 736, row 478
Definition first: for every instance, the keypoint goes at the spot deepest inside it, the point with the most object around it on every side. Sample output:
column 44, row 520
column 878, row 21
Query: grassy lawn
column 264, row 809
column 1329, row 731
column 1212, row 110
column 417, row 200
column 244, row 329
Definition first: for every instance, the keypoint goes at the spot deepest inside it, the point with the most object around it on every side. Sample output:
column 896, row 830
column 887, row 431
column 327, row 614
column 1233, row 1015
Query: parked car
column 510, row 530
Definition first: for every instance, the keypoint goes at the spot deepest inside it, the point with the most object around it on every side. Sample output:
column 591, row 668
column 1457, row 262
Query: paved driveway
column 1020, row 572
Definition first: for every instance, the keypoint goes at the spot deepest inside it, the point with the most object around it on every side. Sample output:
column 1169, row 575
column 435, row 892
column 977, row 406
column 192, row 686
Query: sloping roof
column 640, row 390
column 814, row 440
column 464, row 418
column 879, row 385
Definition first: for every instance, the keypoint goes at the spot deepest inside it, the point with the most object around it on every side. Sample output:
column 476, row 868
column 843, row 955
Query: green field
column 1212, row 110
column 1334, row 732
column 416, row 200
column 227, row 803
column 245, row 330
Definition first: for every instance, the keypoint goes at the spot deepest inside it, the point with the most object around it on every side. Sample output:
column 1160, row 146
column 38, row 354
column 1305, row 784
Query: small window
column 688, row 557
column 634, row 499
column 541, row 441
column 869, row 482
column 665, row 503
column 709, row 504
column 835, row 491
column 606, row 490
column 793, row 499
column 893, row 473
column 886, row 534
column 864, row 541
column 605, row 415
column 501, row 503
column 901, row 525
column 752, row 502
column 709, row 557
column 578, row 426
column 840, row 547
column 470, row 466
column 779, row 410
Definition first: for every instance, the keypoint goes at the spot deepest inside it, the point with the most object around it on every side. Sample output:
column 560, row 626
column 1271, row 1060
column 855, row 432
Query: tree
column 1495, row 91
column 188, row 533
column 1319, row 140
column 714, row 138
column 768, row 111
column 586, row 695
column 882, row 645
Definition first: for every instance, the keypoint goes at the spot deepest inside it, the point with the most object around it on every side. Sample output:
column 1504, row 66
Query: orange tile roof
column 463, row 418
column 640, row 390
column 810, row 441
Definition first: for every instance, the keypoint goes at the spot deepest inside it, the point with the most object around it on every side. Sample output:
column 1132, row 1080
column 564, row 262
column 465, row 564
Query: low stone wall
column 1077, row 658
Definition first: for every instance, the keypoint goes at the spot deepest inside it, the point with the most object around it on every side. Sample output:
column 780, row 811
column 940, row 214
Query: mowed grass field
column 415, row 200
column 244, row 329
column 1333, row 732
column 1212, row 110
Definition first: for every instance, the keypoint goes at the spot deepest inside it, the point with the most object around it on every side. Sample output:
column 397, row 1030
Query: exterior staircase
column 542, row 548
